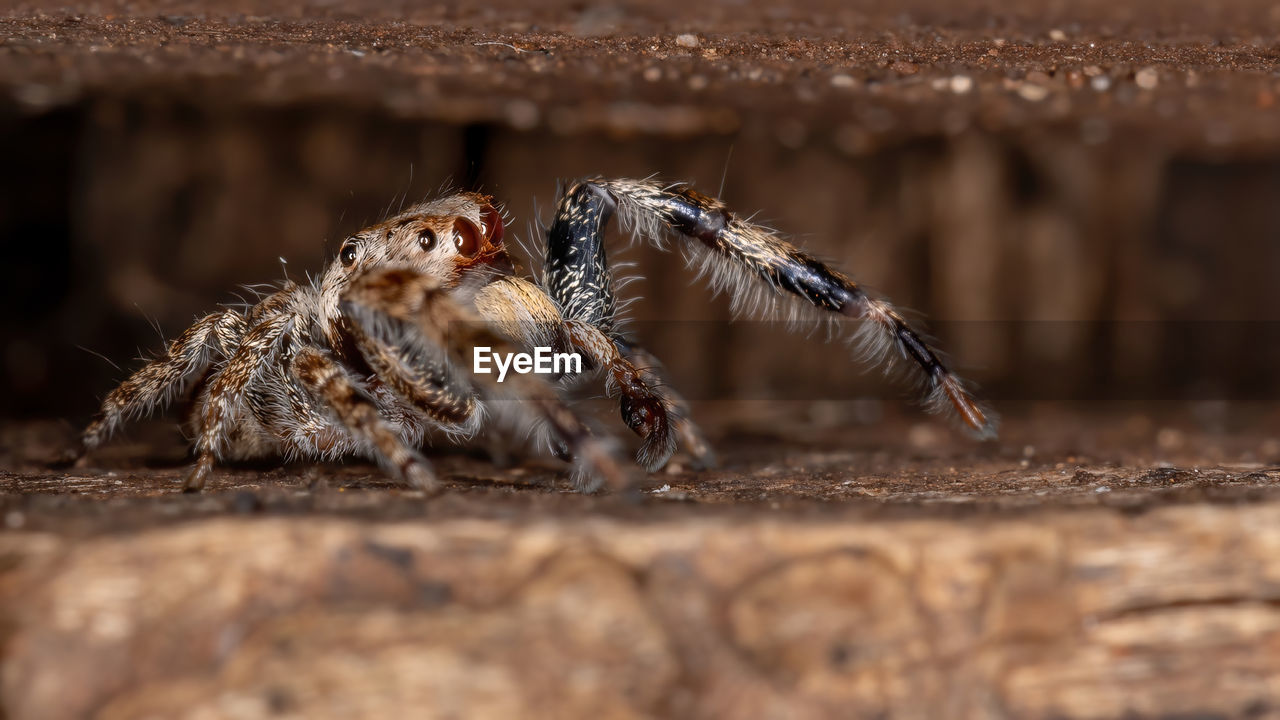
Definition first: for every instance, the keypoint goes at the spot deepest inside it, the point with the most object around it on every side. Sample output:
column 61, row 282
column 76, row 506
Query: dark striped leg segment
column 578, row 278
column 758, row 267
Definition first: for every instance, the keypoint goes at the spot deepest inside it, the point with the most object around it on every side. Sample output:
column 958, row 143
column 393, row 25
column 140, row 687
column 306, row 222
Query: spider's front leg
column 330, row 383
column 423, row 381
column 753, row 264
column 691, row 437
column 578, row 277
column 401, row 306
column 648, row 413
column 522, row 310
column 167, row 375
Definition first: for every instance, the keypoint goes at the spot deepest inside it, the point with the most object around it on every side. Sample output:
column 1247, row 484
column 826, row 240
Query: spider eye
column 466, row 238
column 426, row 239
column 348, row 254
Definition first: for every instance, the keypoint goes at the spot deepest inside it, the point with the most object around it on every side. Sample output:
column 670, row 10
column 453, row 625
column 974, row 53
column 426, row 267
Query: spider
column 375, row 353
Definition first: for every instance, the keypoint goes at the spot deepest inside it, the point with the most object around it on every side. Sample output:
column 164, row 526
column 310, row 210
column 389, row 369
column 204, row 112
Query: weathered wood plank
column 1069, row 614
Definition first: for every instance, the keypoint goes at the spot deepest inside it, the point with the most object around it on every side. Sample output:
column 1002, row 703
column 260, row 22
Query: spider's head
column 444, row 238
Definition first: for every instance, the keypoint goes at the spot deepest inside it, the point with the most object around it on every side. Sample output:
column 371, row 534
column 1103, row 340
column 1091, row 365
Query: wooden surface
column 1082, row 567
column 1089, row 614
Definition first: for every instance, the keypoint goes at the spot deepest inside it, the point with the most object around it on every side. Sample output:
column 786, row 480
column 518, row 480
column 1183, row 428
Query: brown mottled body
column 375, row 353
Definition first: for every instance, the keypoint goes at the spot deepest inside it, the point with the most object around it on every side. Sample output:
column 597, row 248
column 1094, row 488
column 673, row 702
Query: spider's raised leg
column 753, row 264
column 330, row 383
column 578, row 277
column 404, row 307
column 159, row 380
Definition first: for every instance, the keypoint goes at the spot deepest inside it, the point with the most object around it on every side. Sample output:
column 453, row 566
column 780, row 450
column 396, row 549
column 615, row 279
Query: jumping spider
column 374, row 353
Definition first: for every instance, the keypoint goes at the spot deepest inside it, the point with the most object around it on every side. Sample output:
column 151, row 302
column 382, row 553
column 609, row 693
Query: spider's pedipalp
column 422, row 304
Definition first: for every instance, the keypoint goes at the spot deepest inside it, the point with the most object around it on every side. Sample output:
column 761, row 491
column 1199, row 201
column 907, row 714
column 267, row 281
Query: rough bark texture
column 1084, row 567
column 1089, row 614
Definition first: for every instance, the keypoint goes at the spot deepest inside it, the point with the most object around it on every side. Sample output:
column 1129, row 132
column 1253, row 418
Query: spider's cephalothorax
column 377, row 351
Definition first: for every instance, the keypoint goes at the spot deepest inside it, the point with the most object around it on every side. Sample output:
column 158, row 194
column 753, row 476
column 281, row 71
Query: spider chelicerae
column 377, row 351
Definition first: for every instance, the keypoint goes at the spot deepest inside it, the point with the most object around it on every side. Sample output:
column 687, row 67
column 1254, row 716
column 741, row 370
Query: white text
column 542, row 362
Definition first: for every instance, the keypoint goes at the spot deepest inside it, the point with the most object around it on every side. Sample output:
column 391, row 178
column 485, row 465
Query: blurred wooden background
column 1049, row 269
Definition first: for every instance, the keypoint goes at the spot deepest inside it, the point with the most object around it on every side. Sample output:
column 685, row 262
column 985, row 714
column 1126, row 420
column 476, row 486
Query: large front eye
column 466, row 238
column 426, row 238
column 348, row 253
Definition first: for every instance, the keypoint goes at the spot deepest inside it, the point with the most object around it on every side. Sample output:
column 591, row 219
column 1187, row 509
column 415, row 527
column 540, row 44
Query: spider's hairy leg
column 521, row 309
column 644, row 410
column 419, row 303
column 425, row 383
column 691, row 437
column 259, row 347
column 757, row 267
column 159, row 380
column 329, row 383
column 576, row 268
column 579, row 278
